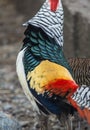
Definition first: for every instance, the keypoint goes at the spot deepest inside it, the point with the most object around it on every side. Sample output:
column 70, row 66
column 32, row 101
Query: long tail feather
column 81, row 101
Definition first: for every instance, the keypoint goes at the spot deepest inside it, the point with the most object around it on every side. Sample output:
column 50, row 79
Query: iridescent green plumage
column 41, row 47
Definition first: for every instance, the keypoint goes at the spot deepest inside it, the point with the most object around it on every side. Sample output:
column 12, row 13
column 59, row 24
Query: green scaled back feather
column 42, row 47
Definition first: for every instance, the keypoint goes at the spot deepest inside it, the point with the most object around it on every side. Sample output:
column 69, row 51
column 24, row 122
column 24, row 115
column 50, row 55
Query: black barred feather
column 50, row 22
column 82, row 97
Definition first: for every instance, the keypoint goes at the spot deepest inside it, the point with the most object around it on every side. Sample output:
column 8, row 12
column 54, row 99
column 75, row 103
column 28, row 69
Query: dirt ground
column 12, row 99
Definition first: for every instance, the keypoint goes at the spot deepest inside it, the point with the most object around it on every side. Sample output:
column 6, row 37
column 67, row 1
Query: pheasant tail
column 81, row 101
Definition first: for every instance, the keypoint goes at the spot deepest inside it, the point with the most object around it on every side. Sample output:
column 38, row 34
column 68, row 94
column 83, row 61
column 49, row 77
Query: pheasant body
column 42, row 68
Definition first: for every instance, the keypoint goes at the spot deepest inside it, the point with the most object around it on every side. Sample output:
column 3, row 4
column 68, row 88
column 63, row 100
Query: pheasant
column 81, row 70
column 43, row 71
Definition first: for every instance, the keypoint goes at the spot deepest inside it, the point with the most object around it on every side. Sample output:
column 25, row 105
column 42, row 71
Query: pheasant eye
column 53, row 5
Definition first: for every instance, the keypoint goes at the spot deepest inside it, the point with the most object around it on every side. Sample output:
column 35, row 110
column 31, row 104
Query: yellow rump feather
column 46, row 72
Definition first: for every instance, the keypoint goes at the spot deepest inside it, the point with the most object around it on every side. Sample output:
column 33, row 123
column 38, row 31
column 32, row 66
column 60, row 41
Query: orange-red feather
column 84, row 113
column 62, row 87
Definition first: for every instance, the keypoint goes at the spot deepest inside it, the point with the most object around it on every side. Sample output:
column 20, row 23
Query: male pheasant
column 43, row 70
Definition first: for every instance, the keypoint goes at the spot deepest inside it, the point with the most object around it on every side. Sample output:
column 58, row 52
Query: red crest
column 54, row 5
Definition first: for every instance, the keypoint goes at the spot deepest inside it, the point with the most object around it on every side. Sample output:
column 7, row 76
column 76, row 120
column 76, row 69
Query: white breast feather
column 22, row 79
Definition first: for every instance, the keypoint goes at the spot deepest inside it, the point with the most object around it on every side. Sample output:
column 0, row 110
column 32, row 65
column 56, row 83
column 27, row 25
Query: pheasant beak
column 54, row 5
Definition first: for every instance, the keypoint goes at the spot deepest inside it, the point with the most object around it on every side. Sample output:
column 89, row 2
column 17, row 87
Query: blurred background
column 13, row 13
